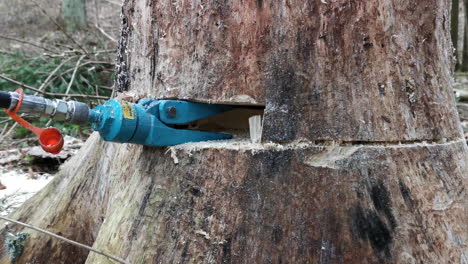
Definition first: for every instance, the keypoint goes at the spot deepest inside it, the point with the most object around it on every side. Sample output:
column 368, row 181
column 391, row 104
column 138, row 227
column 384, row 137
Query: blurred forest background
column 56, row 48
column 53, row 48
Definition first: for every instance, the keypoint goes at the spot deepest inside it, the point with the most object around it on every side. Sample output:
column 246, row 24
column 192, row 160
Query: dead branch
column 27, row 42
column 114, row 2
column 47, row 80
column 51, row 94
column 73, row 76
column 106, row 34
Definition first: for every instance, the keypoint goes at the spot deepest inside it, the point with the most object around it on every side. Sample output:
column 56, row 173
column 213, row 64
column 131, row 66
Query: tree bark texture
column 362, row 159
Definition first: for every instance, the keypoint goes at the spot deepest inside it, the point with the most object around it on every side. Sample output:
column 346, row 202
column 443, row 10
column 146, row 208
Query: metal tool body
column 149, row 122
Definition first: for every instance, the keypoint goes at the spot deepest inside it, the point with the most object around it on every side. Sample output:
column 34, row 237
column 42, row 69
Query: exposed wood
column 362, row 158
column 255, row 128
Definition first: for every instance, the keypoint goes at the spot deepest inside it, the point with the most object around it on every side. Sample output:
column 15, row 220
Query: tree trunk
column 362, row 159
column 454, row 29
column 461, row 33
column 74, row 14
column 464, row 66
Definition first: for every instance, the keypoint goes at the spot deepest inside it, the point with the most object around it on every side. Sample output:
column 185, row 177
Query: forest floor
column 25, row 171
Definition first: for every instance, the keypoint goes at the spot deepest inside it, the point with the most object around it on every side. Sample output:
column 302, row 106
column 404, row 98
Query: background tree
column 362, row 158
column 74, row 14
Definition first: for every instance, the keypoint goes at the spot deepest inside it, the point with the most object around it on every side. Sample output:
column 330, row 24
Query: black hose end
column 5, row 100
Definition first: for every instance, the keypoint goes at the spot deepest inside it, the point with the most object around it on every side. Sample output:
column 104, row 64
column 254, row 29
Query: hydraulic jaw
column 149, row 122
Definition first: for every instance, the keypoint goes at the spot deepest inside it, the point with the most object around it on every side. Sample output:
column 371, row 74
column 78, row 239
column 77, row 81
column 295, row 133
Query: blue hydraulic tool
column 149, row 122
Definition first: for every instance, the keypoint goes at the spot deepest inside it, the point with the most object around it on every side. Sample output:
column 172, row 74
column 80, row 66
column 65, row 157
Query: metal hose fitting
column 60, row 110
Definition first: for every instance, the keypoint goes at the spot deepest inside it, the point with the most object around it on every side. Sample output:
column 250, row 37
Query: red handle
column 51, row 139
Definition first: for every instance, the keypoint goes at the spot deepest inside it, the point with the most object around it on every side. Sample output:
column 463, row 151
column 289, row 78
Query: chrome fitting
column 61, row 110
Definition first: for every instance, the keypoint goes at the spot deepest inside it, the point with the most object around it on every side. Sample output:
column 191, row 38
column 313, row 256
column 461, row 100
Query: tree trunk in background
column 464, row 66
column 454, row 28
column 362, row 159
column 461, row 32
column 74, row 14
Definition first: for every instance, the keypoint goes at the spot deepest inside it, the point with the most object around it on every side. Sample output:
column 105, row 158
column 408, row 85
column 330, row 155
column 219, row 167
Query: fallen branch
column 106, row 34
column 47, row 80
column 112, row 2
column 65, row 239
column 27, row 42
column 52, row 94
column 73, row 76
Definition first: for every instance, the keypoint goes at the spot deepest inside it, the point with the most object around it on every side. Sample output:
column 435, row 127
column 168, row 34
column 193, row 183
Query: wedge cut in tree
column 362, row 157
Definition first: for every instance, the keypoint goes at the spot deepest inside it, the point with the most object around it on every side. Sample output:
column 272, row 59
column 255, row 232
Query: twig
column 60, row 27
column 46, row 82
column 52, row 94
column 27, row 42
column 79, row 66
column 12, row 128
column 106, row 34
column 74, row 52
column 106, row 87
column 87, row 63
column 16, row 142
column 112, row 2
column 73, row 75
column 66, row 240
column 5, row 121
column 4, row 130
column 7, row 53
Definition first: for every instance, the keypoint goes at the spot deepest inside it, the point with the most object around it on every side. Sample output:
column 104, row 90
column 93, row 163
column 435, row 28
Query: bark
column 362, row 159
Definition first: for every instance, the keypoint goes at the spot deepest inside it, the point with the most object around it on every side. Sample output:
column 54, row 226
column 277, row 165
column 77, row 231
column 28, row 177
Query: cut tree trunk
column 362, row 158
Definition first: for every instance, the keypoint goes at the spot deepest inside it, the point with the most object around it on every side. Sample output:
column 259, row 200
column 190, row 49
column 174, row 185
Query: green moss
column 14, row 245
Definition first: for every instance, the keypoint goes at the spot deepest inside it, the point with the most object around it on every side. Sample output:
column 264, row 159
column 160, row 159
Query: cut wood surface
column 362, row 158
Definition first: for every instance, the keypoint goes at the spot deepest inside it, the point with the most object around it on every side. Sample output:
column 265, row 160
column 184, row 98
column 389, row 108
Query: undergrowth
column 93, row 77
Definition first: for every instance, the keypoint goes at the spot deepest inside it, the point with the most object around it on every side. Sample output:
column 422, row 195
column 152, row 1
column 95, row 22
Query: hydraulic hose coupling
column 149, row 122
column 50, row 139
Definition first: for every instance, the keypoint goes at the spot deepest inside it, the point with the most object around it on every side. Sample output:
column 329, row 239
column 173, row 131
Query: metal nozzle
column 60, row 110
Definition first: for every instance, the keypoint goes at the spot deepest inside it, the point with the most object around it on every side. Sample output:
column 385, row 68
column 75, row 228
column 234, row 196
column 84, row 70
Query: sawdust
column 244, row 144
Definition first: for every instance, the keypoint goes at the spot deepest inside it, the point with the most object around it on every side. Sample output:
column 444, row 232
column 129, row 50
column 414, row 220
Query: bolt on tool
column 149, row 122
